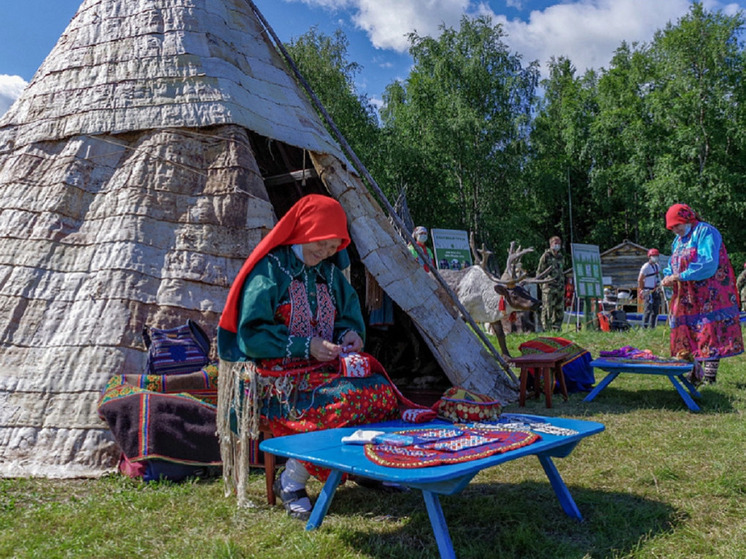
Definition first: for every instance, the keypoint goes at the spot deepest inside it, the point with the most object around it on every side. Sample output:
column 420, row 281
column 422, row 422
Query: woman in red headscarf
column 704, row 313
column 290, row 333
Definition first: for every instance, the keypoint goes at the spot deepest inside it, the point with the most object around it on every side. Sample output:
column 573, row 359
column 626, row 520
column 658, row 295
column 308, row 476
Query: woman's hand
column 670, row 280
column 352, row 342
column 322, row 350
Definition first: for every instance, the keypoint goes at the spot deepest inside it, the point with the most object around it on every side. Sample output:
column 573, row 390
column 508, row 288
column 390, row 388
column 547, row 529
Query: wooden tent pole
column 381, row 196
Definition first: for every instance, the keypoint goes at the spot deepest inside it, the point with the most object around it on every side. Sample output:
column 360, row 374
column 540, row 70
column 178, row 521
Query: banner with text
column 586, row 266
column 451, row 249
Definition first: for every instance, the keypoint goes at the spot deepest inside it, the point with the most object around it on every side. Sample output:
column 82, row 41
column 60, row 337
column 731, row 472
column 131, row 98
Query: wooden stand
column 548, row 365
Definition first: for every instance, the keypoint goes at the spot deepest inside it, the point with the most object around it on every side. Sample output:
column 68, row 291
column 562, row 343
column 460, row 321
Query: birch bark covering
column 130, row 195
column 132, row 65
column 98, row 236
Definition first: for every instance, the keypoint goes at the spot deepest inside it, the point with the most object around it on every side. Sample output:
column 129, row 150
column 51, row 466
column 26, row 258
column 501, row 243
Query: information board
column 451, row 248
column 586, row 266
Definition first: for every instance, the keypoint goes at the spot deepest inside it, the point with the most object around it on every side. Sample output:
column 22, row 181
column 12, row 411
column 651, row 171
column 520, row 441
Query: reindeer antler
column 515, row 254
column 474, row 252
column 540, row 279
column 481, row 256
column 514, row 257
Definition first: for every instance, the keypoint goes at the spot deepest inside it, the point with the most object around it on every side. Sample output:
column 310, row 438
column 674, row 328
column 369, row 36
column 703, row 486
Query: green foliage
column 663, row 124
column 559, row 165
column 323, row 62
column 597, row 158
column 695, row 105
column 457, row 128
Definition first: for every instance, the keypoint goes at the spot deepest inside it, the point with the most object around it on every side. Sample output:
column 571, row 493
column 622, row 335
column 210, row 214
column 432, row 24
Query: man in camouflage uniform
column 552, row 292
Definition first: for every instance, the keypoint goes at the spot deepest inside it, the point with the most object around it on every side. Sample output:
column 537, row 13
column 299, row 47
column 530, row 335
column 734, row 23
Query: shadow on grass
column 655, row 394
column 508, row 521
column 621, row 400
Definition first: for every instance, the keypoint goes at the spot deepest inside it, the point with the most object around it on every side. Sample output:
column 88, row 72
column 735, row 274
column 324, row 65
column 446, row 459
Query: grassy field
column 660, row 482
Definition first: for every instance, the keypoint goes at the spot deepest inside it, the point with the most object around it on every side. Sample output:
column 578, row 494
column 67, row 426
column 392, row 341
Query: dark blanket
column 169, row 417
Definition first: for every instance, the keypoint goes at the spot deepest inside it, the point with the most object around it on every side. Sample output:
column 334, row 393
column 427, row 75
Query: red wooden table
column 548, row 366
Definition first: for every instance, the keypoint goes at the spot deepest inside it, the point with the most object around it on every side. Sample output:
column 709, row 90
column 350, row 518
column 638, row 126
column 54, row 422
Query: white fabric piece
column 298, row 251
column 362, row 436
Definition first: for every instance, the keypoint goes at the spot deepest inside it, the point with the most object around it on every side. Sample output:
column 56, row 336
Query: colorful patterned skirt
column 705, row 320
column 321, row 400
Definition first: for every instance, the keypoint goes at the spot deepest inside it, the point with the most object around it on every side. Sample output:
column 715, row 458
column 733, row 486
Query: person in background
column 741, row 287
column 704, row 306
column 293, row 317
column 552, row 292
column 420, row 235
column 569, row 294
column 648, row 289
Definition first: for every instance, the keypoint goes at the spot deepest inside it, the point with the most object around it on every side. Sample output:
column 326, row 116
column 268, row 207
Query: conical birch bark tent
column 154, row 147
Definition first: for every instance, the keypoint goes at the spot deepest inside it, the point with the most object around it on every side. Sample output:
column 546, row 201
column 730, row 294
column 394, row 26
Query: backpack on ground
column 619, row 320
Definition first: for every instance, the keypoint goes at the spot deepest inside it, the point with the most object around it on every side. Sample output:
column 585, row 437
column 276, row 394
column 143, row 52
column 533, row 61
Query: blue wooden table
column 325, row 448
column 675, row 373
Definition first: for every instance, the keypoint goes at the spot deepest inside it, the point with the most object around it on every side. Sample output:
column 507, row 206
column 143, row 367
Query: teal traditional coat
column 262, row 334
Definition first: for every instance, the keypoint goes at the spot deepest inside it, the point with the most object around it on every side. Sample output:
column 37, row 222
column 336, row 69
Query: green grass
column 660, row 482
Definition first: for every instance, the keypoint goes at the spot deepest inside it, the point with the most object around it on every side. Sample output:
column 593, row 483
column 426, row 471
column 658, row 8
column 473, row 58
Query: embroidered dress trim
column 280, row 266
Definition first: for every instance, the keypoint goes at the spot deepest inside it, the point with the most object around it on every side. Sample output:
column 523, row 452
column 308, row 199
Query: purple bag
column 173, row 351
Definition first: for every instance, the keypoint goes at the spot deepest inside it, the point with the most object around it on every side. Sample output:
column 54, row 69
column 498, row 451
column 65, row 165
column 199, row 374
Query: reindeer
column 489, row 299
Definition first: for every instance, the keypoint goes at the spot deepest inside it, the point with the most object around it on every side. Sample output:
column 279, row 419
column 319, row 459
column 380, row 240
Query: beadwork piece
column 473, row 443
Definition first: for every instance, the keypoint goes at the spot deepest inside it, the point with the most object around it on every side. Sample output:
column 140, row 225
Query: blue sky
column 587, row 31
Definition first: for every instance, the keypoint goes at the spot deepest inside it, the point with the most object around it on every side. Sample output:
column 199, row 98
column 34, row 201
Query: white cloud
column 585, row 31
column 10, row 89
column 589, row 31
column 730, row 9
column 387, row 22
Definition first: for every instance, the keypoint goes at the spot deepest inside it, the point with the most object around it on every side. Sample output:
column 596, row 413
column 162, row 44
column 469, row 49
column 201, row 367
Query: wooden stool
column 270, row 466
column 547, row 365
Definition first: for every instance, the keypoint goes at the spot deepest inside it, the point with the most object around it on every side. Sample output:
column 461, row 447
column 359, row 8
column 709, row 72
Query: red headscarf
column 679, row 214
column 312, row 218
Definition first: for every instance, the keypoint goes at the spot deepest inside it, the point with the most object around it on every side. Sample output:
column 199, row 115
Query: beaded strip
column 330, row 281
column 553, row 430
column 528, row 426
column 512, row 426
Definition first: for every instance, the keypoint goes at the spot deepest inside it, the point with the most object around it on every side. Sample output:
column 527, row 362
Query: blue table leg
column 560, row 489
column 438, row 522
column 324, row 501
column 600, row 386
column 691, row 404
column 689, row 386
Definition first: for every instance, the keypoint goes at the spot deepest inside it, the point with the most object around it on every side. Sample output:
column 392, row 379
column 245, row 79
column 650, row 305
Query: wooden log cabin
column 620, row 266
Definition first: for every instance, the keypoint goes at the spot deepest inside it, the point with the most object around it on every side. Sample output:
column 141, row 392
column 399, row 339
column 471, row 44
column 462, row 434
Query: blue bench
column 675, row 371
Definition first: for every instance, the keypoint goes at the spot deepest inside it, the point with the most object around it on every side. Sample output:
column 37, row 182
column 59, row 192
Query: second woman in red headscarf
column 704, row 313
